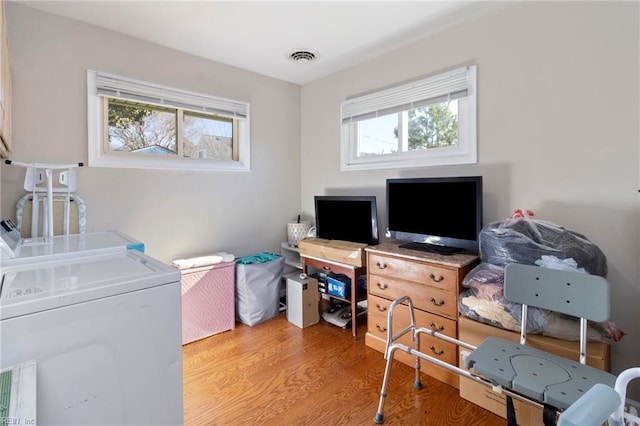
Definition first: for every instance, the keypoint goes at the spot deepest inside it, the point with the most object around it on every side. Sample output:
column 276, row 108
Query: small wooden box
column 335, row 250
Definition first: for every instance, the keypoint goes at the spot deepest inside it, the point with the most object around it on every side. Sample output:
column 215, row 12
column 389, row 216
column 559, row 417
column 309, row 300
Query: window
column 143, row 125
column 427, row 122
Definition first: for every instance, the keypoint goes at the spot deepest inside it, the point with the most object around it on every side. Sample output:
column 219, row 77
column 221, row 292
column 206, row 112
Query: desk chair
column 519, row 371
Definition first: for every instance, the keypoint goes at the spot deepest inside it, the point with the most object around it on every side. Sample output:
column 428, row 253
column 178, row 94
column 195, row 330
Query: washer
column 104, row 330
column 15, row 250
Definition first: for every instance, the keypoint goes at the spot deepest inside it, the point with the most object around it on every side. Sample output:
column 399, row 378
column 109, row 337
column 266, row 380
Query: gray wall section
column 558, row 129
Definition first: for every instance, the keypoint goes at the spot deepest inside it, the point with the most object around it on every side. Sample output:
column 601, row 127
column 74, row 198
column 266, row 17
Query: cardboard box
column 483, row 396
column 335, row 250
column 302, row 301
column 474, row 332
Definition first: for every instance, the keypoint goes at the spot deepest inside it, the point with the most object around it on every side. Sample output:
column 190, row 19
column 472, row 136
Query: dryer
column 104, row 330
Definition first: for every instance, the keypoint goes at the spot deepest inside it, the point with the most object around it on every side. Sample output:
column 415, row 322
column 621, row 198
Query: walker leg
column 379, row 417
column 417, row 383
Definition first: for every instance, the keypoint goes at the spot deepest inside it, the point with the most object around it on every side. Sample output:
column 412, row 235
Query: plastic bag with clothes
column 525, row 240
column 483, row 301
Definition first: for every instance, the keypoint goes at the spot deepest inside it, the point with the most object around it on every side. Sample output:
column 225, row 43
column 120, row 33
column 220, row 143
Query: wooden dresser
column 433, row 282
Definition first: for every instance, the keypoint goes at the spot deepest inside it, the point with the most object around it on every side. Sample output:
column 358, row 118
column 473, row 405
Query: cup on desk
column 297, row 231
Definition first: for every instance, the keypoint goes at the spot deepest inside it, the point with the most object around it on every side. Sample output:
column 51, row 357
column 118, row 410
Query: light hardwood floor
column 275, row 373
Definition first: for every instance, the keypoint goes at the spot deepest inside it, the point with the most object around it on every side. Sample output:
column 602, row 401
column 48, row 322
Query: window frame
column 101, row 156
column 440, row 86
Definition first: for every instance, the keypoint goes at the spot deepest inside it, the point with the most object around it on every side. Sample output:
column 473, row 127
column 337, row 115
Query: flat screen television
column 437, row 214
column 347, row 218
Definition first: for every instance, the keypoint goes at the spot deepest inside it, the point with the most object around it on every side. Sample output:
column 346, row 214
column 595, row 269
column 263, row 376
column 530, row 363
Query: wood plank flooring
column 275, row 373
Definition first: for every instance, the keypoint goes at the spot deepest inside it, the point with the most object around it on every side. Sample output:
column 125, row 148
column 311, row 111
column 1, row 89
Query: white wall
column 173, row 213
column 558, row 133
column 558, row 127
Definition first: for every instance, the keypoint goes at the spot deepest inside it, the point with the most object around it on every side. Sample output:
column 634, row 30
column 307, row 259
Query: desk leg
column 354, row 305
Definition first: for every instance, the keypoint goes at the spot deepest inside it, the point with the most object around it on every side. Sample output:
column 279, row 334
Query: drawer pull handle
column 381, row 308
column 326, row 268
column 381, row 265
column 435, row 327
column 437, row 303
column 381, row 328
column 436, row 279
column 382, row 286
column 436, row 351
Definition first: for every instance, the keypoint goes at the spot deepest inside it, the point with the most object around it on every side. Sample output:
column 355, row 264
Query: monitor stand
column 432, row 248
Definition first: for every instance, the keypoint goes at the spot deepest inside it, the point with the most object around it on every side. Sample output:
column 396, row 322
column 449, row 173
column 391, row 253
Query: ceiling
column 259, row 35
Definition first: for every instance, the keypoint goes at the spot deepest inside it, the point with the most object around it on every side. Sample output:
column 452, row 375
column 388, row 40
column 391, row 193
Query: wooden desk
column 353, row 272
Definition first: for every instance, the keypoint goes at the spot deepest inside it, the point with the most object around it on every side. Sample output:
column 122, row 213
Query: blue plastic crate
column 339, row 286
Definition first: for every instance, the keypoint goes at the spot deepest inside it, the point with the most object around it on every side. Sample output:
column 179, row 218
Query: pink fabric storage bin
column 208, row 300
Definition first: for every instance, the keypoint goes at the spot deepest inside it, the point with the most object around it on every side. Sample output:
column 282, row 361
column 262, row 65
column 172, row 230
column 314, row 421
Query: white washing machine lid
column 69, row 246
column 26, row 289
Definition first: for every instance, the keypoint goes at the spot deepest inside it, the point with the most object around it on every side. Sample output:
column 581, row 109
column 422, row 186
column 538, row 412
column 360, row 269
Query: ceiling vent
column 302, row 56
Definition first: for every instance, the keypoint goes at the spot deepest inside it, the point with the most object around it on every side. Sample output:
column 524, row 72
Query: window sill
column 169, row 164
column 446, row 157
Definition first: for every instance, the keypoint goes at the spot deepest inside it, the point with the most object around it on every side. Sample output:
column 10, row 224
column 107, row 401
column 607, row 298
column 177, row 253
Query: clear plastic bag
column 483, row 301
column 525, row 240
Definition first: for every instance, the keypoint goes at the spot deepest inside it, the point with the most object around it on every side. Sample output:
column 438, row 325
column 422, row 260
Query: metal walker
column 570, row 393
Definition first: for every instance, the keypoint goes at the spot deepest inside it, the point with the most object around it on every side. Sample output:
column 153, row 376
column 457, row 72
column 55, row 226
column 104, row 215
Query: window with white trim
column 136, row 124
column 428, row 122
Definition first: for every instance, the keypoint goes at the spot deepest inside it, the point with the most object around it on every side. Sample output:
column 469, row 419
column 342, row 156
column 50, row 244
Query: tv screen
column 347, row 218
column 442, row 214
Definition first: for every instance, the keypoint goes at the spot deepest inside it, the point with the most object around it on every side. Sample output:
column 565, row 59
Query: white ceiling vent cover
column 302, row 56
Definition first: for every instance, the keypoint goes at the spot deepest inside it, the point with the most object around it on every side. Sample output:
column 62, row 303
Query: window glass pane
column 207, row 136
column 434, row 123
column 378, row 136
column 433, row 126
column 136, row 127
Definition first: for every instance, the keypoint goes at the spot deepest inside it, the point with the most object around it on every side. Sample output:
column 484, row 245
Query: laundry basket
column 258, row 280
column 207, row 297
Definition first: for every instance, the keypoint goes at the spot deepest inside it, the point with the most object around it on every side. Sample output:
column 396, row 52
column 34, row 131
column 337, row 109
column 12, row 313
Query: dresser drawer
column 424, row 297
column 378, row 311
column 433, row 275
column 429, row 345
column 329, row 267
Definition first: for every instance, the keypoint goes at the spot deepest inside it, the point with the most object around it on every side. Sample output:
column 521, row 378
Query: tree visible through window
column 421, row 123
column 205, row 136
column 135, row 128
column 148, row 129
column 139, row 124
column 433, row 126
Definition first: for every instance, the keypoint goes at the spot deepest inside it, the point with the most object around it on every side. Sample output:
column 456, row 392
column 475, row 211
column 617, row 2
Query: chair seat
column 537, row 374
